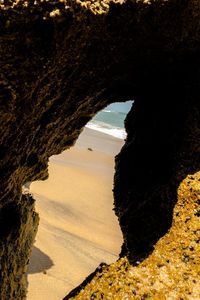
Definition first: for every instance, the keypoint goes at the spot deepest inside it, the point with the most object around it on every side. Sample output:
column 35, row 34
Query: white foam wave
column 107, row 111
column 116, row 132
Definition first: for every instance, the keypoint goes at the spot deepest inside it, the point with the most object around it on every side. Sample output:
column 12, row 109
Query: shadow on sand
column 39, row 262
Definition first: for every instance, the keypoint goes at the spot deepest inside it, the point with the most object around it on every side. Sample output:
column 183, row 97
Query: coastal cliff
column 62, row 62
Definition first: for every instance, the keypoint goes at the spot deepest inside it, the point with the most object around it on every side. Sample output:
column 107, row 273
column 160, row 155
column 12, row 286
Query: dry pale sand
column 78, row 228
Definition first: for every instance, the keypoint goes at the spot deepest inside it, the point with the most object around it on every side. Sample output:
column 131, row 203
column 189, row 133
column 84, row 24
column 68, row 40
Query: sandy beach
column 78, row 229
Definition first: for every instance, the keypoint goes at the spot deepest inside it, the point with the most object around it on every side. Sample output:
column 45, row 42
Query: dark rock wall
column 58, row 68
column 18, row 227
column 162, row 148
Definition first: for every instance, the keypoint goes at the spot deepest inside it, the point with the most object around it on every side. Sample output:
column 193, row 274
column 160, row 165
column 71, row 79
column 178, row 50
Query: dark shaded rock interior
column 60, row 64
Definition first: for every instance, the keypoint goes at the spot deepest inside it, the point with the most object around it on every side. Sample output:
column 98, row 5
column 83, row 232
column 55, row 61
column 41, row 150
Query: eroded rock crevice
column 58, row 70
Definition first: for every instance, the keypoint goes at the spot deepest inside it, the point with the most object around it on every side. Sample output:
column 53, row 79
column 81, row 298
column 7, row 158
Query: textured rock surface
column 18, row 227
column 170, row 272
column 63, row 61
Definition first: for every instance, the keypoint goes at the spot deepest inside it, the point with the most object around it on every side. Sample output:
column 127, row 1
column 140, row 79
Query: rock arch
column 60, row 64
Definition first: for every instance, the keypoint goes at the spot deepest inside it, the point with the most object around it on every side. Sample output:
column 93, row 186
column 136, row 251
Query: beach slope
column 78, row 228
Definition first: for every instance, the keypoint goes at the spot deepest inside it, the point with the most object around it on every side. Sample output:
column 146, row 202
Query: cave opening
column 78, row 228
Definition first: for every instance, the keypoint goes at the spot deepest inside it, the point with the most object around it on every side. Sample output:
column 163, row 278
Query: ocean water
column 111, row 119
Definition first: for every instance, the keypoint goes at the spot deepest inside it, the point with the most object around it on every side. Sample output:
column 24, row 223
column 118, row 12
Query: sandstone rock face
column 63, row 61
column 170, row 272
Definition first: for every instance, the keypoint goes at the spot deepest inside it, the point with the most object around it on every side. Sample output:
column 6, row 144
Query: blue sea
column 111, row 119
